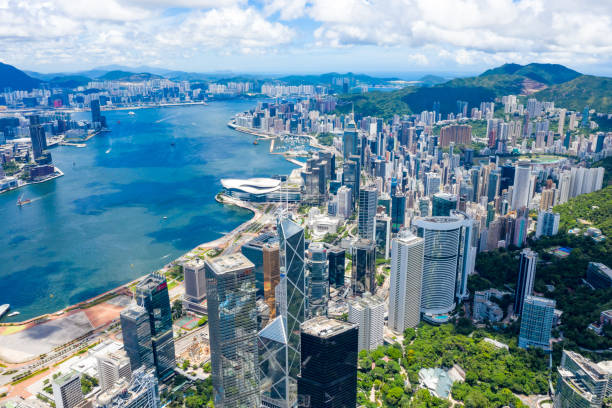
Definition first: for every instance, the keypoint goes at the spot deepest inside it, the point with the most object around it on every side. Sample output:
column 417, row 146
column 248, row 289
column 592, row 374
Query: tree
column 394, row 395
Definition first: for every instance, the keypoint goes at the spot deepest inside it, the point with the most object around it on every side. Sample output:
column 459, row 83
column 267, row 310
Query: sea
column 130, row 202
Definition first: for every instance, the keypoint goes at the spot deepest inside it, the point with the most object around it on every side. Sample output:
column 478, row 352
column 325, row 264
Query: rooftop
column 229, row 263
column 151, row 282
column 252, row 185
column 195, row 263
column 324, row 327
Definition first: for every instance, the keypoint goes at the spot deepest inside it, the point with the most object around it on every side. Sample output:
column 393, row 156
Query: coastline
column 56, row 174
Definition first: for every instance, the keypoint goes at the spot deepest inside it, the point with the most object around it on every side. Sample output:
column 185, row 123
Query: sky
column 306, row 36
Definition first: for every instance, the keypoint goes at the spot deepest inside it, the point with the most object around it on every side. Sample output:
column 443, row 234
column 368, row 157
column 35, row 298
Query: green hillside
column 596, row 92
column 128, row 76
column 594, row 207
column 543, row 73
column 11, row 77
column 69, row 81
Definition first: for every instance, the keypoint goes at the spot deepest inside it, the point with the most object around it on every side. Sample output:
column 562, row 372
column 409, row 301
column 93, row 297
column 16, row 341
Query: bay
column 102, row 224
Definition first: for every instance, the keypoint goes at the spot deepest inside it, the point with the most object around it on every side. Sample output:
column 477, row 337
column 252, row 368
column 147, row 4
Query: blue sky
column 306, row 36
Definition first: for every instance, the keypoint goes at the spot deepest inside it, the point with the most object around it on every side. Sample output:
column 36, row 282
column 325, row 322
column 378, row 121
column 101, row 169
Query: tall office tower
column 581, row 383
column 39, row 140
column 363, row 274
column 350, row 144
column 443, row 238
column 548, row 224
column 230, row 282
column 318, row 280
column 476, row 184
column 195, row 285
column 442, row 204
column 112, row 367
column 520, row 226
column 329, row 364
column 424, row 204
column 585, row 117
column 367, row 212
column 398, row 212
column 275, row 386
column 526, row 277
column 345, row 206
column 140, row 392
column 522, row 185
column 67, row 391
column 601, row 137
column 271, row 275
column 536, row 322
column 508, row 172
column 494, row 183
column 136, row 332
column 368, row 312
column 350, row 179
column 432, row 184
column 467, row 253
column 382, row 235
column 405, row 281
column 336, row 268
column 253, row 250
column 292, row 268
column 95, row 111
column 152, row 294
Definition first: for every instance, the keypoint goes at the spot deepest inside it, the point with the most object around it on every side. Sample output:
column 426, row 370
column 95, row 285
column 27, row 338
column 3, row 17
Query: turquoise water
column 102, row 224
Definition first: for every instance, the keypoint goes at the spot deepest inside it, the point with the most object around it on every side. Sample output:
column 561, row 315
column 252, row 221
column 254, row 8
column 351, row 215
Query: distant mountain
column 432, row 80
column 585, row 90
column 69, row 81
column 544, row 73
column 11, row 77
column 128, row 76
column 326, row 79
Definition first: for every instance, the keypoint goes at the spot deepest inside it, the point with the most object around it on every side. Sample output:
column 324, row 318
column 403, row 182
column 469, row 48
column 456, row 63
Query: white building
column 112, row 367
column 548, row 224
column 345, row 208
column 521, row 194
column 67, row 391
column 405, row 281
column 369, row 313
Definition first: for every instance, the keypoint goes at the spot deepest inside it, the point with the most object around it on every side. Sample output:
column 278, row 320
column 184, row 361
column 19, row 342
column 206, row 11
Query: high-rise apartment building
column 137, row 339
column 405, row 281
column 522, row 185
column 318, row 280
column 367, row 211
column 152, row 294
column 368, row 312
column 363, row 274
column 526, row 277
column 581, row 383
column 329, row 364
column 599, row 275
column 232, row 320
column 458, row 134
column 548, row 224
column 536, row 322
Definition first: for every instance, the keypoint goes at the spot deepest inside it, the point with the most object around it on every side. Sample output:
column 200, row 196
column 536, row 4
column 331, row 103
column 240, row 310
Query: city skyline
column 453, row 38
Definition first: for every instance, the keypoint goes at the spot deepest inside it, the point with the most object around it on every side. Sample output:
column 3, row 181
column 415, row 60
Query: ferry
column 22, row 202
column 4, row 308
column 131, row 113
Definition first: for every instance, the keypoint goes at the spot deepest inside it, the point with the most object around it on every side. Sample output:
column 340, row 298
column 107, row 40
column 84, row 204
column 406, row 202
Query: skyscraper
column 432, row 184
column 232, row 314
column 345, row 202
column 253, row 250
column 271, row 275
column 292, row 267
column 580, row 382
column 522, row 185
column 350, row 142
column 368, row 312
column 136, row 332
column 382, row 235
column 363, row 274
column 336, row 260
column 318, row 280
column 398, row 212
column 329, row 364
column 536, row 322
column 152, row 294
column 351, row 179
column 405, row 281
column 367, row 212
column 95, row 111
column 37, row 136
column 195, row 285
column 442, row 236
column 276, row 388
column 67, row 391
column 526, row 277
column 112, row 367
column 443, row 204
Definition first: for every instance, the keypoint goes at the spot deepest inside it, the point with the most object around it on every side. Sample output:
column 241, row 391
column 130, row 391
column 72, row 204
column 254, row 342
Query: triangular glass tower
column 274, row 378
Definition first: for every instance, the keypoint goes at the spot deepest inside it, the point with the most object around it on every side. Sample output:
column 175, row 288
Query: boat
column 22, row 202
column 4, row 308
column 255, row 142
column 165, row 217
column 131, row 113
column 13, row 314
column 172, row 144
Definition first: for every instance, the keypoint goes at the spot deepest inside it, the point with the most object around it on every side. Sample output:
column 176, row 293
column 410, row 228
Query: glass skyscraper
column 526, row 277
column 363, row 274
column 152, row 294
column 136, row 332
column 291, row 247
column 275, row 385
column 536, row 322
column 336, row 258
column 232, row 314
column 318, row 280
